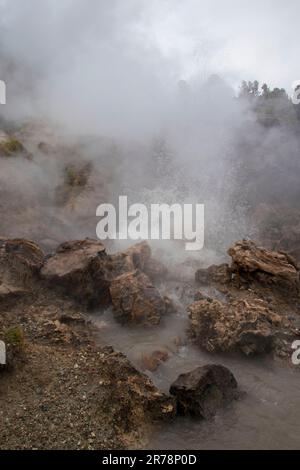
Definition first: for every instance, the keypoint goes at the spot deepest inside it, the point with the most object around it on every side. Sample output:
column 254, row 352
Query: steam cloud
column 139, row 76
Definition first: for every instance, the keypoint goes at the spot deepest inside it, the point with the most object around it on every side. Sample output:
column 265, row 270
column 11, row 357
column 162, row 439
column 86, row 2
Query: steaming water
column 266, row 417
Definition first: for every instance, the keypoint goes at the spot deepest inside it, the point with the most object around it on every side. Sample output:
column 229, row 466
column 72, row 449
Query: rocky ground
column 61, row 389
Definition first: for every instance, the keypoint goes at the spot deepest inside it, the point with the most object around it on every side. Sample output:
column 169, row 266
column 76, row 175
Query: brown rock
column 79, row 267
column 220, row 274
column 135, row 257
column 86, row 272
column 249, row 259
column 136, row 300
column 20, row 261
column 246, row 326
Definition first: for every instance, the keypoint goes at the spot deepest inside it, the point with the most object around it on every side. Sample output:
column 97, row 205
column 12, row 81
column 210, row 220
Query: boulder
column 204, row 390
column 135, row 257
column 248, row 326
column 268, row 266
column 80, row 268
column 20, row 261
column 91, row 276
column 135, row 300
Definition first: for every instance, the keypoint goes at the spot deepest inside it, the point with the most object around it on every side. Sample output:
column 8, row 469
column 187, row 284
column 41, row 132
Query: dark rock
column 204, row 390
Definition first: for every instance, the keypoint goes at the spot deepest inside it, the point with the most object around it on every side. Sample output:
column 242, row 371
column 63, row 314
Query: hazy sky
column 111, row 68
column 88, row 56
column 236, row 38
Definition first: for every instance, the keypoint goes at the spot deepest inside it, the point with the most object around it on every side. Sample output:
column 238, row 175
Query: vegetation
column 76, row 177
column 15, row 337
column 272, row 107
column 75, row 183
column 10, row 147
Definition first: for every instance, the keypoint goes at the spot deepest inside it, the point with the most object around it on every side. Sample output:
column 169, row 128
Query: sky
column 78, row 50
column 236, row 38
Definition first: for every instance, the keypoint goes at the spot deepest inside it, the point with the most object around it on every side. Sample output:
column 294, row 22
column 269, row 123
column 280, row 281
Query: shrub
column 10, row 147
column 15, row 337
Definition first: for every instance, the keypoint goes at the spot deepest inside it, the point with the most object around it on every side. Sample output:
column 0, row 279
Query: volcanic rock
column 79, row 267
column 20, row 261
column 204, row 390
column 136, row 300
column 267, row 266
column 135, row 257
column 86, row 272
column 246, row 326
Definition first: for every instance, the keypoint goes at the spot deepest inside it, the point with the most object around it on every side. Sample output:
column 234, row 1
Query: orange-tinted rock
column 136, row 300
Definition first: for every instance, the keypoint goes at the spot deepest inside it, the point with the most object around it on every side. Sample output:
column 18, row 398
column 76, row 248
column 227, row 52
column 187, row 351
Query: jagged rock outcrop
column 138, row 256
column 85, row 262
column 135, row 257
column 253, row 263
column 135, row 300
column 267, row 266
column 86, row 272
column 246, row 326
column 20, row 261
column 204, row 390
column 79, row 267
